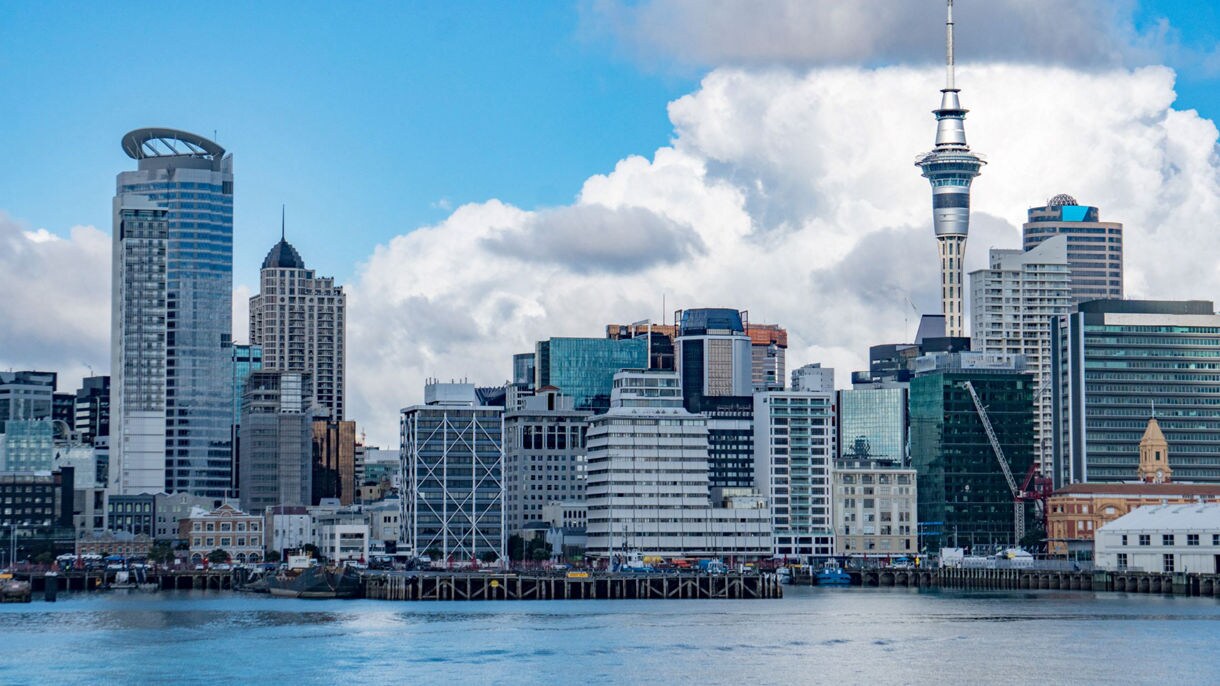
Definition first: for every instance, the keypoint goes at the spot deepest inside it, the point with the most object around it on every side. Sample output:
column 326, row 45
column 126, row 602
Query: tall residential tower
column 171, row 317
column 950, row 167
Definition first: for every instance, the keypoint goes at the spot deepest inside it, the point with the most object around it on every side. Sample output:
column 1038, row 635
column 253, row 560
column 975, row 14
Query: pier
column 478, row 586
column 1181, row 583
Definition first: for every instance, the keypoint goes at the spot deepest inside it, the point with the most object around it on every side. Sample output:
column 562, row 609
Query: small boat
column 833, row 575
column 784, row 575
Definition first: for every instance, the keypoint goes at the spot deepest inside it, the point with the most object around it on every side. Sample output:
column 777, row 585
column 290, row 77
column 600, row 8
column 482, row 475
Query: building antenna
column 949, row 48
column 282, row 213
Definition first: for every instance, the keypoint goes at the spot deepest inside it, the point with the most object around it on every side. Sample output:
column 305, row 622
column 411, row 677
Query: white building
column 874, row 509
column 288, row 527
column 544, row 456
column 813, row 378
column 341, row 536
column 794, row 448
column 648, row 479
column 1162, row 538
column 1012, row 304
column 385, row 523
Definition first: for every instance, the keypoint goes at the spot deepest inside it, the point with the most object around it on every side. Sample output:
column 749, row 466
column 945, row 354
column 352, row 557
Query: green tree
column 272, row 556
column 161, row 552
column 540, row 554
column 44, row 558
column 516, row 547
column 489, row 557
column 218, row 556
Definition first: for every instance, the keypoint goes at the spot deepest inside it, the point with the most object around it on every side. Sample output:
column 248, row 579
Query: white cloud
column 801, row 192
column 55, row 312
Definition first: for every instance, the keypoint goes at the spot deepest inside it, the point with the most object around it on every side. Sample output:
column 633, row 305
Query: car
column 198, row 568
column 222, row 567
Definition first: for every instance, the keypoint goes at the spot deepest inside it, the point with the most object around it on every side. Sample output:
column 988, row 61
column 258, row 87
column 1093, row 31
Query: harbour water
column 841, row 636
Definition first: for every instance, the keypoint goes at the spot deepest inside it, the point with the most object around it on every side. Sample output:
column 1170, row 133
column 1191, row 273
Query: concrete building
column 544, row 456
column 1013, row 303
column 37, row 512
column 89, row 486
column 1116, row 362
column 341, row 535
column 453, row 474
column 768, row 356
column 169, row 509
column 385, row 526
column 713, row 355
column 91, row 409
column 26, row 395
column 276, row 440
column 874, row 509
column 964, row 499
column 134, row 514
column 171, row 311
column 1163, row 538
column 225, row 528
column 1094, row 247
column 334, row 461
column 648, row 479
column 299, row 320
column 107, row 543
column 794, row 451
column 288, row 527
column 873, row 424
column 950, row 168
column 813, row 378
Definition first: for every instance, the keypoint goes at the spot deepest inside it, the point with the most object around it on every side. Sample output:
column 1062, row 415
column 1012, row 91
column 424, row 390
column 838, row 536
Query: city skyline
column 701, row 212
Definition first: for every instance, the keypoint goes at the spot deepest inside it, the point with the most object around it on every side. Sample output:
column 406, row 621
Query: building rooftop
column 1139, row 488
column 283, row 256
column 1190, row 516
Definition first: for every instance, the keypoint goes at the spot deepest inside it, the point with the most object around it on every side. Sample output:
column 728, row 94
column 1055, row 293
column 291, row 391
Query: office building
column 276, row 441
column 1012, row 304
column 730, row 444
column 341, row 535
column 794, row 451
column 964, row 499
column 334, row 461
column 28, row 445
column 544, row 456
column 134, row 514
column 91, row 409
column 26, row 395
column 1169, row 539
column 660, row 339
column 1094, row 247
column 523, row 370
column 894, row 363
column 874, row 509
column 1115, row 363
column 299, row 319
column 37, row 513
column 287, row 528
column 813, row 378
column 950, row 168
column 583, row 368
column 713, row 355
column 246, row 359
column 453, row 475
column 768, row 356
column 171, row 310
column 648, row 480
column 873, row 424
column 225, row 528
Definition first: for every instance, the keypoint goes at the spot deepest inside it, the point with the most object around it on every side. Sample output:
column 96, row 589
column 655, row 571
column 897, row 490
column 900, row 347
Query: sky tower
column 950, row 167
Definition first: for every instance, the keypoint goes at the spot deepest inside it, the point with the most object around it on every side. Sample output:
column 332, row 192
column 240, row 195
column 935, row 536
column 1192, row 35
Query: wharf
column 1180, row 583
column 165, row 580
column 595, row 586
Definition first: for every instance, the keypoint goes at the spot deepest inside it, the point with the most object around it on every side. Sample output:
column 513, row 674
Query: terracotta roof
column 1140, row 489
column 1153, row 432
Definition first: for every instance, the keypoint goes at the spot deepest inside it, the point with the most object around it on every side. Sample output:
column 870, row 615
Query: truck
column 712, row 567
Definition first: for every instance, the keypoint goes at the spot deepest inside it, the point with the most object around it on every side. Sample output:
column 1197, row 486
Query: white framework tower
column 950, row 167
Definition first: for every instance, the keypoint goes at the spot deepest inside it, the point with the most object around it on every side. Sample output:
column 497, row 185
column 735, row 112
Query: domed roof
column 283, row 256
column 1062, row 199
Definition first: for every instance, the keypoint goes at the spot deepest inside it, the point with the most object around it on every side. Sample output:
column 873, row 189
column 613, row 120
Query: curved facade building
column 951, row 167
column 172, row 312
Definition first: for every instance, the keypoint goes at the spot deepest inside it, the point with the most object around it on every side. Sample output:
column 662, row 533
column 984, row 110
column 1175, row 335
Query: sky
column 483, row 175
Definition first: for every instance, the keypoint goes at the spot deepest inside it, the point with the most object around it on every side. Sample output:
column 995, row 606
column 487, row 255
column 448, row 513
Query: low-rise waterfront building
column 109, row 543
column 225, row 528
column 341, row 535
column 1163, row 538
column 288, row 527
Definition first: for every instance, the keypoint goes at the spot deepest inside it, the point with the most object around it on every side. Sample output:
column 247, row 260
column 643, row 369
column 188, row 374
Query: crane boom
column 1018, row 505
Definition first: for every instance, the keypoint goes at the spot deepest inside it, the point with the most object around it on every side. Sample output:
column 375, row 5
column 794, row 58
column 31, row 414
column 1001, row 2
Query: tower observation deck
column 950, row 167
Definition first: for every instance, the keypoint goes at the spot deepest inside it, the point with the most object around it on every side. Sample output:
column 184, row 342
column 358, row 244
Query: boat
column 303, row 579
column 13, row 590
column 784, row 575
column 833, row 575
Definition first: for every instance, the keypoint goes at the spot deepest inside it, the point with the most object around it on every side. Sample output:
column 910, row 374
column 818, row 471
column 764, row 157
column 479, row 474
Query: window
column 1124, row 539
column 1145, row 539
column 1192, row 539
column 1122, row 560
column 1167, row 562
column 1166, row 539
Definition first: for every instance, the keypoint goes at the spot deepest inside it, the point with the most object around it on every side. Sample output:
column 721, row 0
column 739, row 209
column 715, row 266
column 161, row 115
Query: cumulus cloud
column 803, row 205
column 55, row 313
column 1083, row 33
column 597, row 238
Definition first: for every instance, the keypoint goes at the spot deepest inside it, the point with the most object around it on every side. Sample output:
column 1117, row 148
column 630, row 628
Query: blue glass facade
column 246, row 359
column 873, row 424
column 584, row 368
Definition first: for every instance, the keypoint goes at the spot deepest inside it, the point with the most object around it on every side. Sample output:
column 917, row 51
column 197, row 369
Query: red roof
column 1138, row 489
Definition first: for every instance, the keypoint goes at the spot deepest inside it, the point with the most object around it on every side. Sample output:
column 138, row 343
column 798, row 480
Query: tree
column 540, row 554
column 44, row 558
column 272, row 556
column 516, row 547
column 218, row 556
column 489, row 557
column 161, row 553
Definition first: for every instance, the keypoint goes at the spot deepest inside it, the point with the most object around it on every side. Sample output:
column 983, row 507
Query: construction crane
column 1018, row 503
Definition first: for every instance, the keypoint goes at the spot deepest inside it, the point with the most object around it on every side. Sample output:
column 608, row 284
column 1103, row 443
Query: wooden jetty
column 1180, row 583
column 594, row 586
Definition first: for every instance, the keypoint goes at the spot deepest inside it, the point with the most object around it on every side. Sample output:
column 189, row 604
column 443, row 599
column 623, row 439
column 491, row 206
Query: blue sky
column 366, row 120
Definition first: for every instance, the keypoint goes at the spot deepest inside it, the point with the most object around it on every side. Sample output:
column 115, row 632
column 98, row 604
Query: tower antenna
column 949, row 48
column 282, row 213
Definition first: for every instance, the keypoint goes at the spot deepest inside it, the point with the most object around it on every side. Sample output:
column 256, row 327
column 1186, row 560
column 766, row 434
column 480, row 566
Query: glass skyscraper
column 873, row 424
column 584, row 368
column 172, row 288
column 1115, row 364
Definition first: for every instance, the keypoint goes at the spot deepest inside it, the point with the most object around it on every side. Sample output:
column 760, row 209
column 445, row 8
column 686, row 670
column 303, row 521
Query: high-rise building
column 660, row 339
column 584, row 368
column 768, row 353
column 648, row 479
column 794, row 451
column 730, row 444
column 300, row 321
column 172, row 311
column 1094, row 247
column 813, row 378
column 714, row 355
column 91, row 413
column 1012, row 304
column 28, row 445
column 246, row 359
column 964, row 498
column 1114, row 364
column 275, row 436
column 544, row 456
column 523, row 369
column 334, row 461
column 873, row 424
column 453, row 475
column 950, row 167
column 26, row 395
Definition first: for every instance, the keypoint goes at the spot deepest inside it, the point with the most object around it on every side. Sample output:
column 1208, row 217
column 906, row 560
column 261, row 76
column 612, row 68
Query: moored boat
column 833, row 575
column 315, row 582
